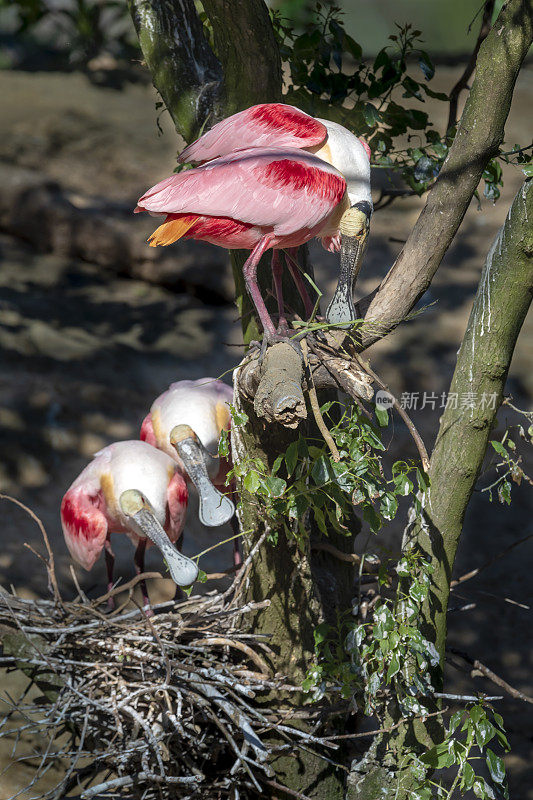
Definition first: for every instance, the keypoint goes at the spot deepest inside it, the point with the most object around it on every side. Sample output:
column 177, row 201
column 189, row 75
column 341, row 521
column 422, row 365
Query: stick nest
column 177, row 705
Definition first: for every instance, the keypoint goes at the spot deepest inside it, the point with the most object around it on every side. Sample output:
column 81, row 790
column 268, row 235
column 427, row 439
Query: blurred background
column 94, row 324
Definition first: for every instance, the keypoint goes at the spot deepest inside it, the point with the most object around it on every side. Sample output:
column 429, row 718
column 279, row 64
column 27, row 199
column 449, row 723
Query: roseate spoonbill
column 133, row 488
column 186, row 422
column 273, row 177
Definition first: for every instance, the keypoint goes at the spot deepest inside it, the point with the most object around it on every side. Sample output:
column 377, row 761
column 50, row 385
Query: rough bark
column 184, row 70
column 245, row 44
column 303, row 589
column 479, row 135
column 500, row 306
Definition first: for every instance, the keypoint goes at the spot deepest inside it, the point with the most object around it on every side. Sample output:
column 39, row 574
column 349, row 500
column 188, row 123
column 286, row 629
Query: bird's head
column 140, row 514
column 215, row 508
column 355, row 223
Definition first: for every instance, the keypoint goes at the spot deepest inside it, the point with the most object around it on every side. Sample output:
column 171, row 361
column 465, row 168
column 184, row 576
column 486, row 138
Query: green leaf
column 394, row 667
column 412, row 88
column 277, row 465
column 251, row 482
column 321, row 632
column 424, row 793
column 382, row 59
column 500, row 449
column 291, row 457
column 320, row 520
column 469, row 776
column 322, row 471
column 504, row 492
column 496, row 766
column 438, row 757
column 353, row 47
column 239, row 417
column 482, row 789
column 527, row 169
column 484, row 732
column 403, row 485
column 223, row 445
column 372, row 518
column 502, row 738
column 455, row 719
column 418, row 592
column 423, row 480
column 274, row 487
column 388, row 506
column 382, row 416
column 426, row 65
column 373, row 683
column 371, row 115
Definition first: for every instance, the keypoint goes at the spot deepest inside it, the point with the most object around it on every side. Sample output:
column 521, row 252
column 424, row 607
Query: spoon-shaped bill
column 215, row 508
column 341, row 311
column 183, row 571
column 354, row 226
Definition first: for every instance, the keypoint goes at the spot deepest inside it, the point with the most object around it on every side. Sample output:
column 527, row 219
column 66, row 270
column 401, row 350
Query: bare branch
column 478, row 138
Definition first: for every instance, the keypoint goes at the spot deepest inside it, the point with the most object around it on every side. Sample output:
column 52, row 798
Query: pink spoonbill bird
column 274, row 178
column 186, row 422
column 133, row 488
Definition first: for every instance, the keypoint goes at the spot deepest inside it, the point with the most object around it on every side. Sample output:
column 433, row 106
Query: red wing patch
column 286, row 119
column 147, row 433
column 177, row 500
column 84, row 527
column 368, row 151
column 298, row 176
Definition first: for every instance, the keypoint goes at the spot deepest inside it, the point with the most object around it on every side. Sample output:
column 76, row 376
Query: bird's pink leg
column 291, row 256
column 109, row 563
column 277, row 273
column 250, row 277
column 139, row 569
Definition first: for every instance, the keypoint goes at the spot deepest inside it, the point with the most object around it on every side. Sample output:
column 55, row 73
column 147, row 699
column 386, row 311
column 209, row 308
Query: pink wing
column 283, row 190
column 177, row 499
column 84, row 526
column 266, row 125
column 147, row 433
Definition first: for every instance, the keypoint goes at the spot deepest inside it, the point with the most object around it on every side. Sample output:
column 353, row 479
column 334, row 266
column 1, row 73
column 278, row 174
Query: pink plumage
column 203, row 405
column 272, row 177
column 284, row 193
column 90, row 509
column 265, row 125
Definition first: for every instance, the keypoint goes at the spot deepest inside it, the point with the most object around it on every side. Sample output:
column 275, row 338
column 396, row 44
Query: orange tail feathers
column 171, row 230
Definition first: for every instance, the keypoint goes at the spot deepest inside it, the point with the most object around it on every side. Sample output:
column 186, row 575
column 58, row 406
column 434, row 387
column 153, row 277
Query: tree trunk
column 500, row 306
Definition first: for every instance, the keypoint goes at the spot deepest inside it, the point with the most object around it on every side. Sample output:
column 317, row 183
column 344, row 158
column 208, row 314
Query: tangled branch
column 183, row 704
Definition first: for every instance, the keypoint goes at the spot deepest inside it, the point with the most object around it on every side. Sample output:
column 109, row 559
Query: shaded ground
column 85, row 351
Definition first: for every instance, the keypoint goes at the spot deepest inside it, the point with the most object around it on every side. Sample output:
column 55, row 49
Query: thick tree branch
column 502, row 301
column 184, row 70
column 250, row 60
column 478, row 138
